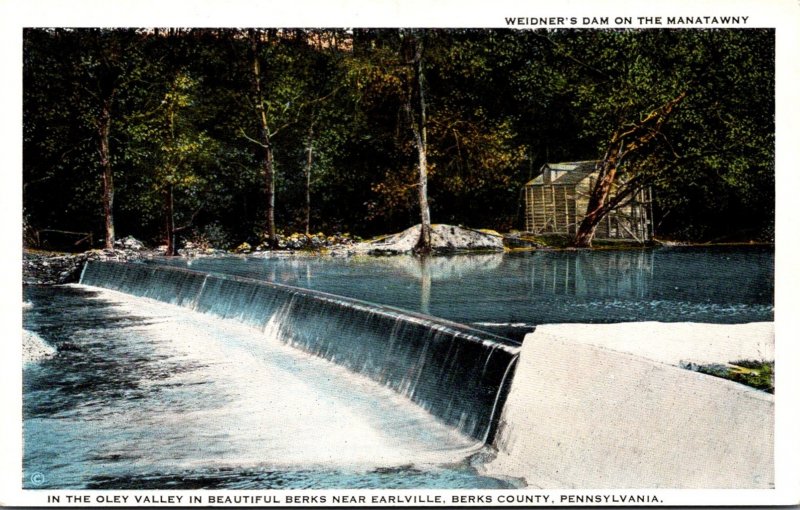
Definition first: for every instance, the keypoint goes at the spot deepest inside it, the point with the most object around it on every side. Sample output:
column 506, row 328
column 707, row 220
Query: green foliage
column 712, row 166
column 211, row 236
column 754, row 373
column 500, row 103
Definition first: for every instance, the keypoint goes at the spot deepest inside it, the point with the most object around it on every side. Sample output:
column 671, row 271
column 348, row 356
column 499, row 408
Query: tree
column 478, row 130
column 175, row 151
column 279, row 101
column 474, row 155
column 110, row 63
column 88, row 77
column 265, row 136
column 307, row 174
column 55, row 141
column 345, row 130
column 625, row 142
column 321, row 111
column 415, row 108
column 651, row 102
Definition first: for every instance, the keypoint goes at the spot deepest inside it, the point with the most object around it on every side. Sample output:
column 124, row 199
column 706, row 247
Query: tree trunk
column 104, row 129
column 269, row 184
column 420, row 139
column 424, row 243
column 269, row 175
column 309, row 161
column 170, row 221
column 627, row 140
column 595, row 211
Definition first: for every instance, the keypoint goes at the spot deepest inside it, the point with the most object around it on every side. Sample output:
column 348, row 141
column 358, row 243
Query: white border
column 784, row 15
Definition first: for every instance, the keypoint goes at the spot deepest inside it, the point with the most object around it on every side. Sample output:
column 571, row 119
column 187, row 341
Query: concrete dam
column 573, row 406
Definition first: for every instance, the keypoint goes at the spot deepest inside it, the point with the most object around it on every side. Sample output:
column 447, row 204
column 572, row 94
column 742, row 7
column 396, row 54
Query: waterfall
column 457, row 373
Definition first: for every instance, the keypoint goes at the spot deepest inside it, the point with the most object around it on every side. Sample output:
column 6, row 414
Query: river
column 143, row 394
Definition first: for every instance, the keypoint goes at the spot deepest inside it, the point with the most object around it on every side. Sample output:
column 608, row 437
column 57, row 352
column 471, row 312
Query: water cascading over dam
column 458, row 374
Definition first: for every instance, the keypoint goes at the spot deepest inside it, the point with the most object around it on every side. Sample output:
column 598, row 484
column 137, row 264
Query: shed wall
column 554, row 208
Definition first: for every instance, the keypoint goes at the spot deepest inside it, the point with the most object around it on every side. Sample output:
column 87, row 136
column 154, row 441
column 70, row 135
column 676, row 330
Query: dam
column 452, row 371
column 282, row 373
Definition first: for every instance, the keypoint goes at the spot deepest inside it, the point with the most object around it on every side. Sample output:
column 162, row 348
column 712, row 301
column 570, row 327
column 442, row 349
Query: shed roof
column 572, row 172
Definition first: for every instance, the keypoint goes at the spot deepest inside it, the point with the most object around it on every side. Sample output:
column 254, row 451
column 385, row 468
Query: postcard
column 400, row 254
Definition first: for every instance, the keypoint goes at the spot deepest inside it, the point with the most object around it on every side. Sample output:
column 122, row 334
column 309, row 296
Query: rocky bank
column 46, row 268
column 444, row 239
column 34, row 348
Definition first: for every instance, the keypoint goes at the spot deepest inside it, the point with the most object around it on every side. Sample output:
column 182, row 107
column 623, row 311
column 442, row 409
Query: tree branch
column 260, row 144
column 191, row 219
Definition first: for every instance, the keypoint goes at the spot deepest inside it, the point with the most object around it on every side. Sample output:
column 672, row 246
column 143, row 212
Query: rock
column 34, row 348
column 48, row 269
column 298, row 241
column 243, row 248
column 129, row 243
column 43, row 268
column 444, row 239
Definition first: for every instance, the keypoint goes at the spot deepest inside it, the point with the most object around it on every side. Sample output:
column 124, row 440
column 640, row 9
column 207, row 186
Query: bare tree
column 264, row 140
column 417, row 115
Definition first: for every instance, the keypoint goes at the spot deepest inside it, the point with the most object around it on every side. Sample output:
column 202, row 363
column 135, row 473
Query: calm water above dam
column 142, row 394
column 510, row 293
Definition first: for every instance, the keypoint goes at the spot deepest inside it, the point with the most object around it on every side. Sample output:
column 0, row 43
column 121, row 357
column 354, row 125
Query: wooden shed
column 556, row 202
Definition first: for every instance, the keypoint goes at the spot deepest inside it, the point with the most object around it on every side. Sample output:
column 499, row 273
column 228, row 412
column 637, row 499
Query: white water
column 251, row 400
column 450, row 370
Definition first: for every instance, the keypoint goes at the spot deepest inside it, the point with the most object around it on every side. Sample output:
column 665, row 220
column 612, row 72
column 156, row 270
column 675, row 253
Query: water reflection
column 721, row 285
column 425, row 284
column 443, row 267
column 615, row 274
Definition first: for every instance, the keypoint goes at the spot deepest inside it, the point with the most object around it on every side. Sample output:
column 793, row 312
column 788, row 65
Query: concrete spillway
column 605, row 406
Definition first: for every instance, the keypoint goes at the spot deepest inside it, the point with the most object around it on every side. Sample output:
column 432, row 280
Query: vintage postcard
column 400, row 254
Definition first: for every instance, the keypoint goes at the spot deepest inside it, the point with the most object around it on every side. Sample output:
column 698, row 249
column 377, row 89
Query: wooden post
column 528, row 210
column 544, row 212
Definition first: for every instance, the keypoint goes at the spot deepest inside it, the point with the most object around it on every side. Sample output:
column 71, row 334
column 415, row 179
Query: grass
column 753, row 373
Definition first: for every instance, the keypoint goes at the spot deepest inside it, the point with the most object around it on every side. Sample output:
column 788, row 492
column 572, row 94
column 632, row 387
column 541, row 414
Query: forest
column 231, row 135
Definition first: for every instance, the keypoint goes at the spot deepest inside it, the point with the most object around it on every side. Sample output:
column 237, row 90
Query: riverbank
column 34, row 348
column 51, row 268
